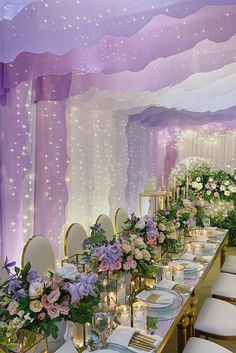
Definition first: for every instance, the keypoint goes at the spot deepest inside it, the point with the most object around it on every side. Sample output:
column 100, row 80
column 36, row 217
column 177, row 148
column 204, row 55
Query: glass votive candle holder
column 197, row 249
column 179, row 274
column 188, row 248
column 167, row 273
column 140, row 316
column 124, row 315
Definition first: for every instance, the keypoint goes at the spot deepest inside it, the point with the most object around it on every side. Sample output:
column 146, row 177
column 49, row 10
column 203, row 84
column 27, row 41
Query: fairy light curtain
column 68, row 89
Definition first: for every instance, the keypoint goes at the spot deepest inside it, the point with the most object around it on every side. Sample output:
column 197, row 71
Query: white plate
column 192, row 266
column 162, row 293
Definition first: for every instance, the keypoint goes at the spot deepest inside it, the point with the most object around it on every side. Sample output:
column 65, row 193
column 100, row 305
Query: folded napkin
column 166, row 284
column 187, row 256
column 68, row 347
column 200, row 238
column 152, row 298
column 122, row 336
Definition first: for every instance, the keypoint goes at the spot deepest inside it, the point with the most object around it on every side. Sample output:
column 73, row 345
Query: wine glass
column 206, row 222
column 100, row 326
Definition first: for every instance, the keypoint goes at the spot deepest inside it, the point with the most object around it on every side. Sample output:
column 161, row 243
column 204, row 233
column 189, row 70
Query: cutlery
column 145, row 337
column 141, row 346
column 142, row 343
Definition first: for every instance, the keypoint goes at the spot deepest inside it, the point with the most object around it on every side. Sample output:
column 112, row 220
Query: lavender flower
column 34, row 276
column 82, row 288
column 7, row 265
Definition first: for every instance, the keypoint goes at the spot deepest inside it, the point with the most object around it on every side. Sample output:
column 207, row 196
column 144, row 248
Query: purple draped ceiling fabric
column 125, row 45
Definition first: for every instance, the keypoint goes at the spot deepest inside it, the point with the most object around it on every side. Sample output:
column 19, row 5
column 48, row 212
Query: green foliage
column 227, row 223
column 84, row 312
column 97, row 236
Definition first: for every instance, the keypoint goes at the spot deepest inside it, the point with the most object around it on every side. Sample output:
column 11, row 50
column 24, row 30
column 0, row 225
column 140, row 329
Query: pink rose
column 127, row 266
column 104, row 266
column 133, row 264
column 54, row 296
column 53, row 311
column 161, row 238
column 41, row 316
column 45, row 302
column 57, row 281
column 66, row 286
column 64, row 309
column 66, row 299
column 12, row 307
column 162, row 227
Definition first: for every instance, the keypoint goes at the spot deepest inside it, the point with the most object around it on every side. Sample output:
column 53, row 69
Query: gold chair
column 229, row 265
column 3, row 272
column 39, row 253
column 224, row 287
column 73, row 240
column 106, row 224
column 216, row 319
column 121, row 216
column 199, row 345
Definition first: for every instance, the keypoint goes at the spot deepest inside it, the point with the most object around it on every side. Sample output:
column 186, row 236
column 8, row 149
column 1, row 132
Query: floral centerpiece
column 211, row 185
column 37, row 303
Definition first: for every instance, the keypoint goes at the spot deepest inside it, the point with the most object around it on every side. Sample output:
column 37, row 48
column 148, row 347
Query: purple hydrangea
column 83, row 287
column 110, row 257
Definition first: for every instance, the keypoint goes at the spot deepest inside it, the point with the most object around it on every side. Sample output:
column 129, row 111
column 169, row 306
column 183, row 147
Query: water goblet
column 100, row 326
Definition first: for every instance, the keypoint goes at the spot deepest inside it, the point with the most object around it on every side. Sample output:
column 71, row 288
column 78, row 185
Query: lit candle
column 167, row 273
column 188, row 248
column 124, row 315
column 140, row 316
column 197, row 249
column 179, row 273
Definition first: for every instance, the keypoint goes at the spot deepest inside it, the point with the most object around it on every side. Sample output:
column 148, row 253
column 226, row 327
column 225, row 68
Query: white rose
column 233, row 189
column 139, row 243
column 140, row 224
column 68, row 271
column 199, row 186
column 226, row 182
column 12, row 307
column 126, row 248
column 36, row 306
column 227, row 193
column 222, row 188
column 216, row 194
column 146, row 255
column 21, row 313
column 210, row 180
column 35, row 289
column 138, row 254
column 194, row 185
column 177, row 224
column 187, row 203
column 213, row 186
column 208, row 192
column 198, row 179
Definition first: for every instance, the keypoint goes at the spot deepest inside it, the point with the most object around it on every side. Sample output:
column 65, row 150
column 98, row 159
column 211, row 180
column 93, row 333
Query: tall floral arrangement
column 210, row 184
column 37, row 303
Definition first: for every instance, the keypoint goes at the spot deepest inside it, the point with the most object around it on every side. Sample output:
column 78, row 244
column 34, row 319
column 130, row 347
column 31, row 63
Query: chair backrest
column 3, row 272
column 121, row 216
column 74, row 238
column 39, row 253
column 106, row 224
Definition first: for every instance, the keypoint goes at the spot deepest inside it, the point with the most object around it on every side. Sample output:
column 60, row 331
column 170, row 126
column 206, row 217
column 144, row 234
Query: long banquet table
column 184, row 317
